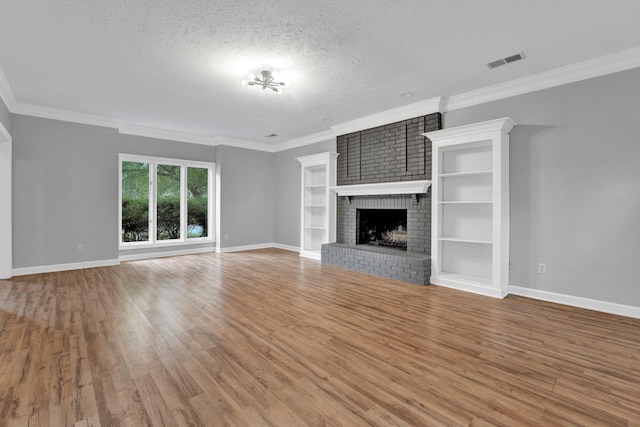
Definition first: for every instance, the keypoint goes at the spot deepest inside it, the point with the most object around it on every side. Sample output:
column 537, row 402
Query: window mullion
column 153, row 209
column 183, row 203
column 210, row 203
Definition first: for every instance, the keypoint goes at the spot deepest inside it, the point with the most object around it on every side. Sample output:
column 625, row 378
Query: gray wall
column 575, row 186
column 65, row 189
column 246, row 196
column 65, row 192
column 286, row 225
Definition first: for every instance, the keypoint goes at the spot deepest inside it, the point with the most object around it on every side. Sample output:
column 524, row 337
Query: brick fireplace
column 386, row 169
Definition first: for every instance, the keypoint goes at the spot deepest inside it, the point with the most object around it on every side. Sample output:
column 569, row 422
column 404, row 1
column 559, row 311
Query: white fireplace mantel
column 383, row 188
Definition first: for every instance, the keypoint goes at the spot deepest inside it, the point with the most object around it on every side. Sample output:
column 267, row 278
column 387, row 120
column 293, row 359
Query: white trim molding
column 6, row 93
column 383, row 188
column 580, row 302
column 6, row 214
column 596, row 67
column 244, row 248
column 472, row 285
column 286, row 247
column 242, row 143
column 63, row 115
column 326, row 135
column 231, row 249
column 64, row 267
column 472, row 131
column 130, row 129
column 179, row 252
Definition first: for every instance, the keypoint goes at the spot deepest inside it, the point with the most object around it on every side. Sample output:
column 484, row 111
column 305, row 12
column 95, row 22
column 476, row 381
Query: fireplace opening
column 382, row 227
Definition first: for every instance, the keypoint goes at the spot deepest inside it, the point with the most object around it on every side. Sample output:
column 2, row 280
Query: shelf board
column 453, row 239
column 314, row 228
column 468, row 202
column 315, row 206
column 315, row 186
column 469, row 173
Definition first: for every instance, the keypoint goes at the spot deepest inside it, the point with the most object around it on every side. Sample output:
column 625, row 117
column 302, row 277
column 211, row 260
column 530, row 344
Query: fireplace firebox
column 382, row 227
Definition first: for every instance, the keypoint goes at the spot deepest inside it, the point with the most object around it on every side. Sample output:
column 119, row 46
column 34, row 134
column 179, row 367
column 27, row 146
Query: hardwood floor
column 266, row 338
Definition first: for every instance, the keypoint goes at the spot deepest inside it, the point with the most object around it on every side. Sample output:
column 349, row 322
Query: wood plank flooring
column 264, row 338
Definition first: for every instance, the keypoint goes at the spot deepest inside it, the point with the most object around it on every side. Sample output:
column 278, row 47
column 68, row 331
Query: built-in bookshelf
column 318, row 214
column 470, row 211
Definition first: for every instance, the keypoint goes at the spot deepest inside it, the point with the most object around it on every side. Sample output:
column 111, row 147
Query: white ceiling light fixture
column 266, row 80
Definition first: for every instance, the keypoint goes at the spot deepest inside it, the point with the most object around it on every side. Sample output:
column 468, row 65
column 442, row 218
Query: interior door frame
column 6, row 239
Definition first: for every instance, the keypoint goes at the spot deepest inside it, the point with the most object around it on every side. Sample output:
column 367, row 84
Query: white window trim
column 184, row 164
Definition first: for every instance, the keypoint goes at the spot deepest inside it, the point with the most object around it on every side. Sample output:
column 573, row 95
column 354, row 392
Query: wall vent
column 506, row 60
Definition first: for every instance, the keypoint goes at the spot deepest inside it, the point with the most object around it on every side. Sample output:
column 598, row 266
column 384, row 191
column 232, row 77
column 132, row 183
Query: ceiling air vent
column 506, row 60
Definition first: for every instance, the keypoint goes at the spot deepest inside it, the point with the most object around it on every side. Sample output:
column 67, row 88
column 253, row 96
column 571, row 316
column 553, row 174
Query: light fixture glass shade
column 266, row 80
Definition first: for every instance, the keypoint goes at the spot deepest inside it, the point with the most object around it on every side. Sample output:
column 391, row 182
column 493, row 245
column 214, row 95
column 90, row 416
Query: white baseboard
column 467, row 287
column 149, row 255
column 311, row 255
column 244, row 248
column 258, row 246
column 286, row 247
column 590, row 304
column 64, row 267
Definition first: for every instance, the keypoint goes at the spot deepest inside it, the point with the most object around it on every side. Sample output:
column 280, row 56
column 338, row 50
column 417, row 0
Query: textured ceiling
column 177, row 64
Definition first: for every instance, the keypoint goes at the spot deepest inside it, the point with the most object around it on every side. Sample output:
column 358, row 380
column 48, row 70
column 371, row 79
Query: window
column 164, row 201
column 197, row 202
column 134, row 202
column 168, row 202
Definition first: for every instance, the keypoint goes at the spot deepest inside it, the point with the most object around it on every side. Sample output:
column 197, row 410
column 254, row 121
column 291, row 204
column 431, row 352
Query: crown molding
column 131, row 129
column 242, row 143
column 405, row 112
column 6, row 93
column 596, row 67
column 306, row 140
column 63, row 115
column 608, row 64
column 504, row 124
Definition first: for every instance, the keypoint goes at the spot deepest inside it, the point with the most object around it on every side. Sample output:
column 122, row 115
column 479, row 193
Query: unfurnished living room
column 319, row 213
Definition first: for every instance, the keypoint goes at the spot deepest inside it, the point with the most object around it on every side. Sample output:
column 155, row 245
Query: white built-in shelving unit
column 470, row 211
column 318, row 216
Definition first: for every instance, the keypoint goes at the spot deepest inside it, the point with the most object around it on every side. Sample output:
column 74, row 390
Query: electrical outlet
column 226, row 237
column 80, row 247
column 542, row 268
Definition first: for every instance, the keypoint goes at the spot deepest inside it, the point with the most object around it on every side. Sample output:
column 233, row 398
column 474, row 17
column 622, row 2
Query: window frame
column 153, row 232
